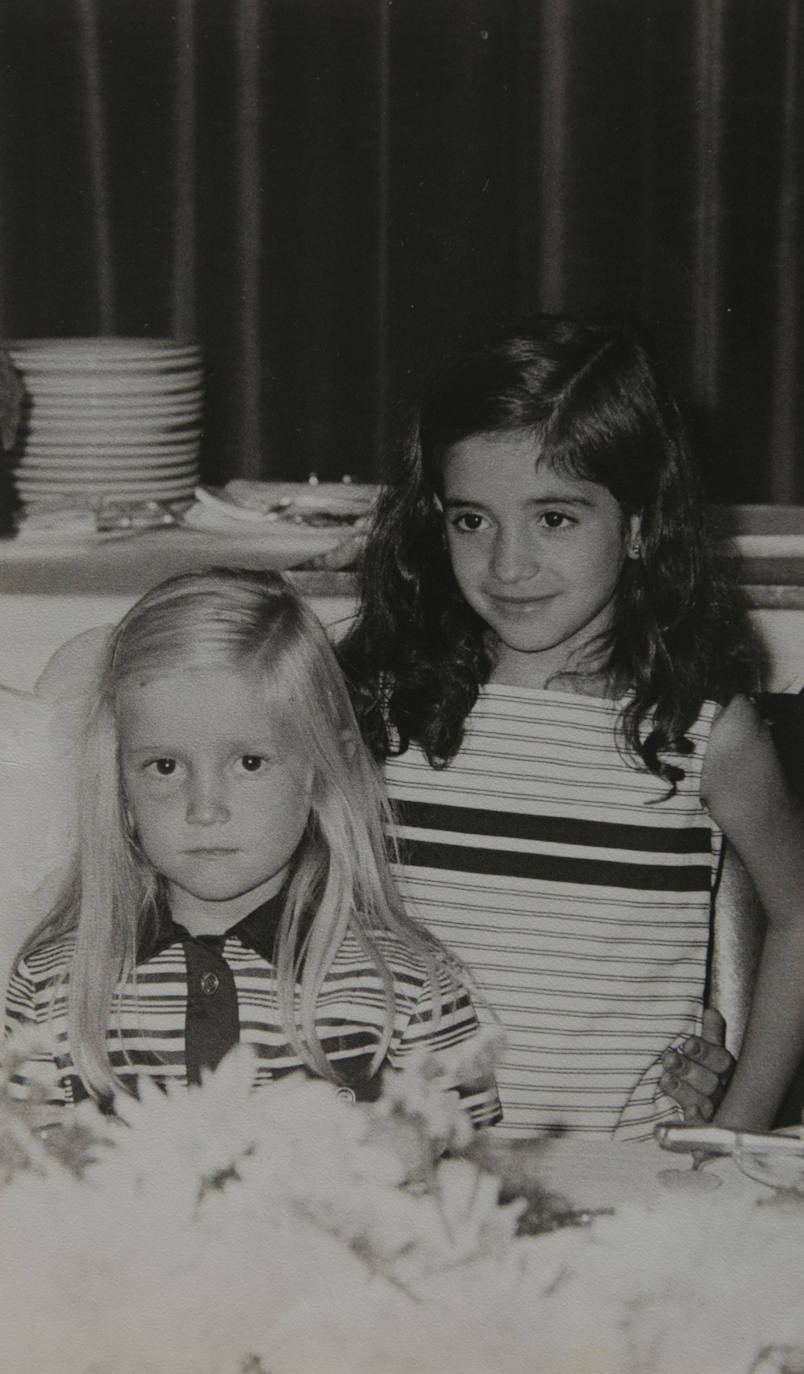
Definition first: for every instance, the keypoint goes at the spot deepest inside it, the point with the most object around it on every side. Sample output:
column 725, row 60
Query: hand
column 696, row 1073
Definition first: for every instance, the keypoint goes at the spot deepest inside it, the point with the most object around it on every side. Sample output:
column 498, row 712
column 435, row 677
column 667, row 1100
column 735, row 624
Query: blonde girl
column 231, row 881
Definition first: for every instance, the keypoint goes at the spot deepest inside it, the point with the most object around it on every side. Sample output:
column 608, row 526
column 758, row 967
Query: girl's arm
column 451, row 1034
column 28, row 1053
column 744, row 787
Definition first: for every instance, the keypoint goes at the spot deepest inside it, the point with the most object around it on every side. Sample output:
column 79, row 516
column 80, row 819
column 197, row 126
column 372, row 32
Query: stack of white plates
column 108, row 418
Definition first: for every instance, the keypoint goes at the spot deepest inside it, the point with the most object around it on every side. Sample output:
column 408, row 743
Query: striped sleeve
column 20, row 999
column 443, row 1031
column 38, row 1077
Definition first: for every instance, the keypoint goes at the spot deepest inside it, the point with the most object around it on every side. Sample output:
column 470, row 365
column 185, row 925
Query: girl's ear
column 350, row 743
column 633, row 548
column 128, row 822
column 308, row 781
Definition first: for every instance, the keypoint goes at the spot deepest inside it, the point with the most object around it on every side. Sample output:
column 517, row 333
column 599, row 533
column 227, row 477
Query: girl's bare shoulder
column 741, row 770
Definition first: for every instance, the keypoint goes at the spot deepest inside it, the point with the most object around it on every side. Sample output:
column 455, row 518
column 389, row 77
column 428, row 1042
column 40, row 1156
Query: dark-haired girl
column 557, row 673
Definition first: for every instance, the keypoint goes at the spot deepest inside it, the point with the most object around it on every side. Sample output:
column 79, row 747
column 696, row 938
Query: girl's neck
column 543, row 672
column 204, row 917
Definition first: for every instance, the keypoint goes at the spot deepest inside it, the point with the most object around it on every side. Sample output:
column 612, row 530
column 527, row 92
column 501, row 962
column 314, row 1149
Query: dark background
column 326, row 193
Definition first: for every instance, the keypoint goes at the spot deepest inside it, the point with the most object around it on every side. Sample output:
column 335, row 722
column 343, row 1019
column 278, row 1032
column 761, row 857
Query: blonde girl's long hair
column 340, row 873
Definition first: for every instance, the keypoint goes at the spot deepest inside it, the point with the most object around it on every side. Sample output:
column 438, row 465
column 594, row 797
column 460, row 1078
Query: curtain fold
column 184, row 315
column 328, row 194
column 99, row 219
column 788, row 356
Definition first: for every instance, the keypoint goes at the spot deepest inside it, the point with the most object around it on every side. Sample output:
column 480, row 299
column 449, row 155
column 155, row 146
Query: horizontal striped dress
column 195, row 996
column 577, row 893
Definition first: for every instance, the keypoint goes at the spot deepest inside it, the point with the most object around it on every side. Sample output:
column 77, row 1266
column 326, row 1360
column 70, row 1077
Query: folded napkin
column 339, row 510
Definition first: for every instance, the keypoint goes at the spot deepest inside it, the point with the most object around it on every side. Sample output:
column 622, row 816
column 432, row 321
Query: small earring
column 635, row 547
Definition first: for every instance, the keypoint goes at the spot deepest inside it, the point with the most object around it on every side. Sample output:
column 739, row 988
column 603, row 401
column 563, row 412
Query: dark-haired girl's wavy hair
column 598, row 408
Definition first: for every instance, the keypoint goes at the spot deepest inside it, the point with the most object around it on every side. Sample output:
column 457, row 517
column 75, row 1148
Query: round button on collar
column 347, row 1095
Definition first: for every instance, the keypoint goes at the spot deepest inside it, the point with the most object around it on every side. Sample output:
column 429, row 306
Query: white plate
column 95, row 462
column 70, row 382
column 92, row 418
column 129, row 345
column 133, row 428
column 109, row 372
column 168, row 491
column 122, row 448
column 138, row 393
column 110, row 409
column 38, row 483
column 39, row 475
column 83, row 353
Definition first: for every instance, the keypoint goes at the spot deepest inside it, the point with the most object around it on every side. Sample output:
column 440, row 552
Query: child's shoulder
column 741, row 759
column 738, row 733
column 405, row 960
column 49, row 959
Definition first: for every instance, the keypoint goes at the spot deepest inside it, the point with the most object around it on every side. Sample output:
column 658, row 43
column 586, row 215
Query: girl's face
column 218, row 802
column 537, row 554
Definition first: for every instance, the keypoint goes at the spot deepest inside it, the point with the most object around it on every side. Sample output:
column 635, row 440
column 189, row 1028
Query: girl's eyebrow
column 557, row 499
column 166, row 748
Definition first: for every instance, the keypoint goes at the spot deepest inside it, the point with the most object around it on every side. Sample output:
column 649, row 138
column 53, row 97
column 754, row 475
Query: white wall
column 33, row 627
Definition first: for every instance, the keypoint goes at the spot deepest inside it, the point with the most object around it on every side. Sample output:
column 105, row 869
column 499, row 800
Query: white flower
column 226, row 1230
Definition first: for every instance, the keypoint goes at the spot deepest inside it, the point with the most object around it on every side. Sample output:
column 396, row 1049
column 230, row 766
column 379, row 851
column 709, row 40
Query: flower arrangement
column 218, row 1230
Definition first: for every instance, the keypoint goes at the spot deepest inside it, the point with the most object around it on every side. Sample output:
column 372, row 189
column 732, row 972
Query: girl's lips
column 519, row 603
column 211, row 850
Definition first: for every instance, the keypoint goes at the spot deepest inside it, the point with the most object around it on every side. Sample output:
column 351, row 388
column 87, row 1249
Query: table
column 674, row 1282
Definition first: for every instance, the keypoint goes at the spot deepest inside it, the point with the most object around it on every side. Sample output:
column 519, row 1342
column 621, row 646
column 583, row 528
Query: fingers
column 713, row 1026
column 696, row 1072
column 709, row 1048
column 694, row 1106
column 696, row 1076
column 713, row 1057
column 697, row 1079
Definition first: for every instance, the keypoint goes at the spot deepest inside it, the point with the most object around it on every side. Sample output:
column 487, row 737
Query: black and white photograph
column 402, row 686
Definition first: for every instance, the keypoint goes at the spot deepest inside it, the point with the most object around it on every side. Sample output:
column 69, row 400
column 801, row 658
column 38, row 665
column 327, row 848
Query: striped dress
column 577, row 895
column 196, row 996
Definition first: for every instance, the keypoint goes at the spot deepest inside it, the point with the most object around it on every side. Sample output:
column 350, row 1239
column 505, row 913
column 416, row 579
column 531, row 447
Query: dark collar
column 258, row 931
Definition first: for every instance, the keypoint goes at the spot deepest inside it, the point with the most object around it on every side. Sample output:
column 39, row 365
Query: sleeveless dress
column 576, row 891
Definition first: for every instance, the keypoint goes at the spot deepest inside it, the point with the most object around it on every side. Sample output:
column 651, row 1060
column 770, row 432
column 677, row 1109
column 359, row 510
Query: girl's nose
column 206, row 802
column 513, row 557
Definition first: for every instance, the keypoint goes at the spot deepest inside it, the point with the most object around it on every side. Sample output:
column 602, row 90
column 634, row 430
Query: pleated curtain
column 329, row 194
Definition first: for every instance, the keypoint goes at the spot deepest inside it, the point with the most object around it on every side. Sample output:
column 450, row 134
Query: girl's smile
column 218, row 802
column 536, row 553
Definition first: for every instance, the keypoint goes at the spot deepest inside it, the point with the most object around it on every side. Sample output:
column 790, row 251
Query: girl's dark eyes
column 167, row 767
column 556, row 519
column 252, row 763
column 470, row 521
